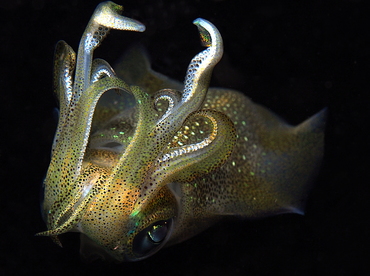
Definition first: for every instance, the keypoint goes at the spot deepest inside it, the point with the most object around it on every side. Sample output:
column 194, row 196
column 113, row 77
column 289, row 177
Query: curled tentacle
column 72, row 204
column 82, row 116
column 173, row 97
column 66, row 166
column 106, row 16
column 134, row 163
column 201, row 66
column 197, row 78
column 100, row 69
column 64, row 188
column 190, row 160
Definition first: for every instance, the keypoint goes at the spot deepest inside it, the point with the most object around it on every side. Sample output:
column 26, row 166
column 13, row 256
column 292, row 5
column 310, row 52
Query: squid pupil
column 158, row 232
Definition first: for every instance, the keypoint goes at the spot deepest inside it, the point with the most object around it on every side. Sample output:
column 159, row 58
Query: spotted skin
column 160, row 161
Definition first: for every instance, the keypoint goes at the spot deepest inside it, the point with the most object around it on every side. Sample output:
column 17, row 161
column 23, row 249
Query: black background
column 293, row 57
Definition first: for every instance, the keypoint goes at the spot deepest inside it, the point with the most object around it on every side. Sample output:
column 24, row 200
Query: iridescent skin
column 161, row 161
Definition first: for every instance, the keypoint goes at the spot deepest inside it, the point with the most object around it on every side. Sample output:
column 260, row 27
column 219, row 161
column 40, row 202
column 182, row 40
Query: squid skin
column 160, row 161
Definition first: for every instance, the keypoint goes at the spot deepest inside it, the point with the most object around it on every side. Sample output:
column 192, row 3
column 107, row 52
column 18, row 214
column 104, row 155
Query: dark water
column 291, row 57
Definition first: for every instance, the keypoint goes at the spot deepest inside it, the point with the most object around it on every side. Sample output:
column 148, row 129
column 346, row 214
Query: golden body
column 162, row 161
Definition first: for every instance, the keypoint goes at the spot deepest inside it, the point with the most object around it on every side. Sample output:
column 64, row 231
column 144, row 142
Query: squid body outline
column 160, row 161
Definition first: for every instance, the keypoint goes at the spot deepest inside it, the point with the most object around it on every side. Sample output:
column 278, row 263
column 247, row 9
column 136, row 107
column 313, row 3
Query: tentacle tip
column 108, row 14
column 42, row 234
column 198, row 21
column 54, row 238
column 141, row 28
column 132, row 25
column 204, row 31
column 57, row 241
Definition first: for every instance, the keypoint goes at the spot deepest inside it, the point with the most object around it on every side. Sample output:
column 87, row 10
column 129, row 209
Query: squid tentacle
column 64, row 64
column 80, row 194
column 79, row 123
column 189, row 161
column 106, row 16
column 201, row 66
column 173, row 97
column 196, row 85
column 196, row 80
column 65, row 169
column 78, row 98
column 66, row 218
column 100, row 69
column 134, row 163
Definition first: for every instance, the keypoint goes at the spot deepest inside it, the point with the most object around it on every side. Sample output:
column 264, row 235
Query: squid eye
column 152, row 238
column 158, row 231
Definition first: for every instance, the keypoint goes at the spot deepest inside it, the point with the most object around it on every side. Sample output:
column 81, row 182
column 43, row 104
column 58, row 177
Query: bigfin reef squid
column 140, row 161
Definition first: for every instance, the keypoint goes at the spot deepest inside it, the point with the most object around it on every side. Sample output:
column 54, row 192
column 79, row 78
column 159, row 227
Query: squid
column 140, row 161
